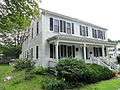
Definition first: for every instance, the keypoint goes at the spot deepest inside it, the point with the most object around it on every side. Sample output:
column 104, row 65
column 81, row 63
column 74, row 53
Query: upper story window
column 56, row 25
column 62, row 26
column 68, row 28
column 37, row 28
column 83, row 30
column 51, row 24
column 94, row 33
column 98, row 34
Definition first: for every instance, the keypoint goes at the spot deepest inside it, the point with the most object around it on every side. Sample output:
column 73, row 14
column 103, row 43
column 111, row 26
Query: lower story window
column 63, row 51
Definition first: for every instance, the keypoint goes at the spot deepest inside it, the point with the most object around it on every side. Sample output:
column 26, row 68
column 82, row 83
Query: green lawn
column 113, row 84
column 18, row 83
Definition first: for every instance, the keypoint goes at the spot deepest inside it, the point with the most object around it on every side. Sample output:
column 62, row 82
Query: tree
column 16, row 15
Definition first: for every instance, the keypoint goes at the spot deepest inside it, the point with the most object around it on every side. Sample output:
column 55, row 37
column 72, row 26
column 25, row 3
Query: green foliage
column 17, row 14
column 11, row 51
column 29, row 74
column 75, row 71
column 53, row 84
column 23, row 64
column 70, row 69
column 40, row 70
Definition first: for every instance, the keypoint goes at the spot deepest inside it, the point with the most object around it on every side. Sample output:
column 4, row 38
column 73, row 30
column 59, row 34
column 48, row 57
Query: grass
column 113, row 84
column 18, row 82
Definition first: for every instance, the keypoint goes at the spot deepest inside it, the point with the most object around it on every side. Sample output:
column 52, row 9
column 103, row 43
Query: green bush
column 70, row 69
column 75, row 71
column 23, row 64
column 53, row 84
column 29, row 74
column 40, row 70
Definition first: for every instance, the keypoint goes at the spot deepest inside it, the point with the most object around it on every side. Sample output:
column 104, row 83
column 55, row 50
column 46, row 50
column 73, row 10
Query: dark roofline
column 70, row 18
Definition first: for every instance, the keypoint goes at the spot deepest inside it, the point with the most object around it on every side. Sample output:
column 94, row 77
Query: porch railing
column 104, row 61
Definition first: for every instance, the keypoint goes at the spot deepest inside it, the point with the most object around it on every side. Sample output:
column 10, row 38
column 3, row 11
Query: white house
column 54, row 36
column 113, row 52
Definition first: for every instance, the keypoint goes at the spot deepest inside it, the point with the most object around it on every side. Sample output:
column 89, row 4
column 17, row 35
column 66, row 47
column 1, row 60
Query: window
column 56, row 25
column 37, row 28
column 52, row 51
column 94, row 33
column 72, row 28
column 51, row 24
column 83, row 30
column 98, row 34
column 37, row 52
column 68, row 28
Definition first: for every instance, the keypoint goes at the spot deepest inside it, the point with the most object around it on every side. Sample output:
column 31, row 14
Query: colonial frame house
column 54, row 36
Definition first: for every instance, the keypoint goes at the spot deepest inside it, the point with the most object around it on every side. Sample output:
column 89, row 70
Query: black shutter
column 60, row 25
column 37, row 27
column 86, row 31
column 51, row 24
column 51, row 50
column 37, row 52
column 72, row 28
column 64, row 26
column 73, row 51
column 80, row 30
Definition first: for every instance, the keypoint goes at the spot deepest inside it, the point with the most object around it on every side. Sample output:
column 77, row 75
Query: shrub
column 24, row 64
column 53, row 84
column 70, row 69
column 75, row 71
column 95, row 73
column 29, row 74
column 40, row 70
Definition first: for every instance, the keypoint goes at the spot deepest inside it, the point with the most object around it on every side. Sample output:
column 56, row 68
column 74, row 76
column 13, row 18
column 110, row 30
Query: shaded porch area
column 62, row 46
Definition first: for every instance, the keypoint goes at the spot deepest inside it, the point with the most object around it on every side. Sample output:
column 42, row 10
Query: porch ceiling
column 79, row 39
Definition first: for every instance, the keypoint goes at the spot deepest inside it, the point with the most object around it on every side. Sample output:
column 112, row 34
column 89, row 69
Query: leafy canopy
column 17, row 14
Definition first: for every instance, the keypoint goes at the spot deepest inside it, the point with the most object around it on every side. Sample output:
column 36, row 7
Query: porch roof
column 80, row 39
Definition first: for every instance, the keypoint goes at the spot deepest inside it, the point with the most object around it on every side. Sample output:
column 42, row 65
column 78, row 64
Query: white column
column 84, row 46
column 103, row 51
column 56, row 50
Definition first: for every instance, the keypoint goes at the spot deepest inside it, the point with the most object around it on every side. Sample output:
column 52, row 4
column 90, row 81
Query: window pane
column 56, row 25
column 68, row 28
column 51, row 24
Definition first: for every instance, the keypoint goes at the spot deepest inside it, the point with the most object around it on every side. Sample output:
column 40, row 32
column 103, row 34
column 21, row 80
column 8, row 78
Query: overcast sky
column 105, row 13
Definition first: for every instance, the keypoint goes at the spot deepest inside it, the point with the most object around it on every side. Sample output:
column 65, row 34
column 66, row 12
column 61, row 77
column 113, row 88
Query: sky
column 105, row 13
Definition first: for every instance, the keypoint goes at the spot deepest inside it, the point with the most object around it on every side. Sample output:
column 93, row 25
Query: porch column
column 103, row 51
column 84, row 46
column 56, row 50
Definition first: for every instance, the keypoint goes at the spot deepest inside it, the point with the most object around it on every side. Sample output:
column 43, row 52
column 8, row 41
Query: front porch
column 87, row 49
column 78, row 47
